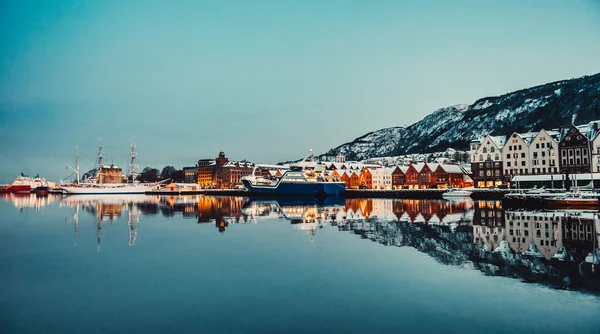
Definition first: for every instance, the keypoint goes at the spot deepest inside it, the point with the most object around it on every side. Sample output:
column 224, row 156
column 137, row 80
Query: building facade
column 543, row 153
column 486, row 161
column 190, row 174
column 110, row 174
column 574, row 152
column 221, row 173
column 515, row 155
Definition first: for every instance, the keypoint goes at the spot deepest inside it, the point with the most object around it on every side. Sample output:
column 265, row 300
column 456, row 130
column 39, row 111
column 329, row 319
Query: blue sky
column 261, row 80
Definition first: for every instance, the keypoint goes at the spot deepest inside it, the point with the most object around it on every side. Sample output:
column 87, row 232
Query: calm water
column 233, row 265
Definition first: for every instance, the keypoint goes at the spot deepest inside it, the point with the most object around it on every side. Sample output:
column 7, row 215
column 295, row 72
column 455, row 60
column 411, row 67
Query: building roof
column 433, row 166
column 498, row 140
column 418, row 166
column 450, row 168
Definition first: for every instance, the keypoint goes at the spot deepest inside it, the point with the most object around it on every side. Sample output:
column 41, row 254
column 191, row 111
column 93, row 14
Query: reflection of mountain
column 546, row 247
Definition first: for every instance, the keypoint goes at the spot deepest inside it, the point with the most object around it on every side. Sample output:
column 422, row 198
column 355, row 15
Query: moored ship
column 293, row 182
column 24, row 184
column 99, row 186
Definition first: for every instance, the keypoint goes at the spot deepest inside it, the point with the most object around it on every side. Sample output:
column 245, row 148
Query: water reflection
column 556, row 248
column 28, row 201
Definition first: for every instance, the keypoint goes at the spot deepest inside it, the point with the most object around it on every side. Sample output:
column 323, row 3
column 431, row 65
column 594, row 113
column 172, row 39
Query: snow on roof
column 419, row 166
column 432, row 166
column 498, row 140
column 272, row 166
column 449, row 168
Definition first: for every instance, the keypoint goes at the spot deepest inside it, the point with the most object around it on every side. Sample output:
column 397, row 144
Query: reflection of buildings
column 535, row 233
column 528, row 231
column 488, row 224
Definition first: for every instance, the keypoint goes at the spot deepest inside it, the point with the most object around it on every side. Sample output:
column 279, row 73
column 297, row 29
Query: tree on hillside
column 178, row 176
column 148, row 174
column 167, row 172
column 89, row 174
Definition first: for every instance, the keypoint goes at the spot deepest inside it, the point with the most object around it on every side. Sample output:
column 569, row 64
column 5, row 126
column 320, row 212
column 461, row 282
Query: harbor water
column 204, row 264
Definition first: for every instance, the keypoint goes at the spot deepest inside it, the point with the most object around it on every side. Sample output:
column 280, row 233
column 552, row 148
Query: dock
column 477, row 194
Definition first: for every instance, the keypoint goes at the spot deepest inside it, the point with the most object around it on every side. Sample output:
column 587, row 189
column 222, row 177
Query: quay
column 477, row 194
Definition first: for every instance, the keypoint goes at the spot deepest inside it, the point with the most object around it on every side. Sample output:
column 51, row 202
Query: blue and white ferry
column 293, row 182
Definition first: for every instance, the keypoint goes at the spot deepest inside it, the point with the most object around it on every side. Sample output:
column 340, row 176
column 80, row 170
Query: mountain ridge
column 551, row 105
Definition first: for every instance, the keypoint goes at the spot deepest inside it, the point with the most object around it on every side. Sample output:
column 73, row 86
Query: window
column 543, row 162
column 492, row 150
column 520, row 147
column 481, row 158
column 522, row 155
column 537, row 145
column 508, row 156
column 510, row 148
column 485, row 150
column 507, row 164
column 535, row 155
column 522, row 163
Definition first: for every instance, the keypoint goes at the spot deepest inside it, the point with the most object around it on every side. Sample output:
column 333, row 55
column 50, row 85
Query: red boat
column 574, row 201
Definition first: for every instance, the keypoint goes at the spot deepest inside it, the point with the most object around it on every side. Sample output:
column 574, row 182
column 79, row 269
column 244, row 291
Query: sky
column 260, row 80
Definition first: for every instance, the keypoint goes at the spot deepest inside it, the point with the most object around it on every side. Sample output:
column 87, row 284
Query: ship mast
column 100, row 161
column 132, row 165
column 76, row 169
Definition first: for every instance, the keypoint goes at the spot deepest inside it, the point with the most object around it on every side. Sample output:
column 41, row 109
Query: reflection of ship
column 28, row 200
column 293, row 182
column 99, row 187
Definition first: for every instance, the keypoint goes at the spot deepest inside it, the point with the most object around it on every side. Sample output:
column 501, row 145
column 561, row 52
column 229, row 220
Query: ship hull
column 298, row 189
column 19, row 189
column 106, row 190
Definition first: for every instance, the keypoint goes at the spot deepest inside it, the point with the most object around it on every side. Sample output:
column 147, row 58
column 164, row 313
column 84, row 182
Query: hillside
column 548, row 106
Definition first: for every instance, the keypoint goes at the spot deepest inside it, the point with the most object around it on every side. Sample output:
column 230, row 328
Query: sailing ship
column 98, row 186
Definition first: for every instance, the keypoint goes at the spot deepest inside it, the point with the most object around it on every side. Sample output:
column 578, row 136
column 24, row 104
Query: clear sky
column 261, row 80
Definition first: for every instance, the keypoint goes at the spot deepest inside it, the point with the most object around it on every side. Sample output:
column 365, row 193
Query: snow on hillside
column 547, row 106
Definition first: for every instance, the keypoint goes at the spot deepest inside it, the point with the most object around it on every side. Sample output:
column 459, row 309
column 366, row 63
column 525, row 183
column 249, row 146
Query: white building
column 515, row 155
column 382, row 178
column 543, row 152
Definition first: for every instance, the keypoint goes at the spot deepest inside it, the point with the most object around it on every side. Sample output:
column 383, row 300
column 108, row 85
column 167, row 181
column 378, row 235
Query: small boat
column 41, row 190
column 457, row 193
column 573, row 200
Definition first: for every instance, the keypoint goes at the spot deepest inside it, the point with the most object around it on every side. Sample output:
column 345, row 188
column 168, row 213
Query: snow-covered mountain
column 548, row 106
